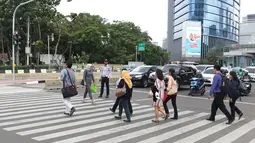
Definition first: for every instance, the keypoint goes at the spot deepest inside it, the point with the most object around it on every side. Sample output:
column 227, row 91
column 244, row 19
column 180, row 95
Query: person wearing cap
column 105, row 74
column 88, row 79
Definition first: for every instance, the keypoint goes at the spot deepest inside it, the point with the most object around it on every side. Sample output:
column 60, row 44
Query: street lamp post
column 13, row 31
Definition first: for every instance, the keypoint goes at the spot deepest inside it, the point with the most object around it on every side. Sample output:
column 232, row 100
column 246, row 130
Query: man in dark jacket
column 219, row 96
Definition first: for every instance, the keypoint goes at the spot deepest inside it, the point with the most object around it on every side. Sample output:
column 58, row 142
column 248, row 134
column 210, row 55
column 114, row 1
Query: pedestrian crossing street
column 39, row 116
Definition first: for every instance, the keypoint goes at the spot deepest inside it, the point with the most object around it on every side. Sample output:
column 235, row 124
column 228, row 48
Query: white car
column 208, row 75
column 251, row 72
column 202, row 68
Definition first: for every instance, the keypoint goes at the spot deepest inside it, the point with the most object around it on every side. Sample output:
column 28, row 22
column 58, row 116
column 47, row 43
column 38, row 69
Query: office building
column 216, row 20
column 249, row 18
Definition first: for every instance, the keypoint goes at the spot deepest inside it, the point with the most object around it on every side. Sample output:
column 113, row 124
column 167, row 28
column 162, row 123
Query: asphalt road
column 31, row 115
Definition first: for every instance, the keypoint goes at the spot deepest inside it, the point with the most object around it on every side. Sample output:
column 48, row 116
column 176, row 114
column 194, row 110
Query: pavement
column 30, row 115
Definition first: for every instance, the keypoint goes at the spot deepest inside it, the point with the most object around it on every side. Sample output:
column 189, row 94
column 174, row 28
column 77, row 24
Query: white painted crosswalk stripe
column 232, row 136
column 33, row 131
column 204, row 133
column 40, row 117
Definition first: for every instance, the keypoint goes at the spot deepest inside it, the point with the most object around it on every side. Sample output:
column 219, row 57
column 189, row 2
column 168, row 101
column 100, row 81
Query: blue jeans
column 124, row 104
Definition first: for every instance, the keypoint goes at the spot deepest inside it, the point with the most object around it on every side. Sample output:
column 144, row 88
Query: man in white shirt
column 105, row 73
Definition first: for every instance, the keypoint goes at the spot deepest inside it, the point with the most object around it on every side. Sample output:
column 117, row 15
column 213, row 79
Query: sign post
column 141, row 47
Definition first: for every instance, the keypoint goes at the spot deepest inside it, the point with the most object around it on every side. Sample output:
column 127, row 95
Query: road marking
column 154, row 129
column 47, row 112
column 87, row 128
column 179, row 131
column 50, row 117
column 123, row 128
column 201, row 98
column 71, row 124
column 207, row 132
column 232, row 136
column 253, row 141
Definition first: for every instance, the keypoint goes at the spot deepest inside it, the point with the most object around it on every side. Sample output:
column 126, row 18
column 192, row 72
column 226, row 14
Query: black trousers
column 173, row 99
column 234, row 108
column 104, row 80
column 117, row 102
column 218, row 103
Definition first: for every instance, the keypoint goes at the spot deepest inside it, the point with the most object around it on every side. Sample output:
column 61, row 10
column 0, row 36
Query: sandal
column 155, row 121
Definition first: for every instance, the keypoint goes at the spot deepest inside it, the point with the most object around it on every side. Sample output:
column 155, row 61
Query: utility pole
column 48, row 39
column 13, row 31
column 28, row 48
column 136, row 53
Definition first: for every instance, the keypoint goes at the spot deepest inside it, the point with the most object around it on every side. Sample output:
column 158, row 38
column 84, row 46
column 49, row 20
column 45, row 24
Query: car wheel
column 145, row 83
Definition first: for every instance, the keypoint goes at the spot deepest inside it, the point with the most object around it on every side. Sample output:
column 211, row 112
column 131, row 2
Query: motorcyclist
column 199, row 75
column 240, row 73
column 246, row 76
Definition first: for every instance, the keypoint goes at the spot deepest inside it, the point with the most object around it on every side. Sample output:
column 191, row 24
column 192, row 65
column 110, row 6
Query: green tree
column 214, row 55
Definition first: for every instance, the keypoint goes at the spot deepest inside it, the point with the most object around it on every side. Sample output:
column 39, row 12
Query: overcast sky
column 150, row 15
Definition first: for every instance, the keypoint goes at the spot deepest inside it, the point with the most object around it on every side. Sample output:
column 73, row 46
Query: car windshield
column 201, row 68
column 166, row 68
column 209, row 71
column 141, row 69
column 251, row 70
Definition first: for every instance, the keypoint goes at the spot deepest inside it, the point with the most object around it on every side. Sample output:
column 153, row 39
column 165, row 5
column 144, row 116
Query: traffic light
column 16, row 39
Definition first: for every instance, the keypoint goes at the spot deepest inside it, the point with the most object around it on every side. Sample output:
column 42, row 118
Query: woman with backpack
column 234, row 94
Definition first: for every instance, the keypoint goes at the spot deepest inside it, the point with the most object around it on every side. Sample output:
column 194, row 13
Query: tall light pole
column 13, row 31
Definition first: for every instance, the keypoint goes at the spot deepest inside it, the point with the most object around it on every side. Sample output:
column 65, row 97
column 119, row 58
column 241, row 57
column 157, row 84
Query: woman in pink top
column 158, row 95
column 171, row 83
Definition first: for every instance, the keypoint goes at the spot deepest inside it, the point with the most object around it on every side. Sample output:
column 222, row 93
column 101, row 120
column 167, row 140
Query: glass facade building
column 220, row 20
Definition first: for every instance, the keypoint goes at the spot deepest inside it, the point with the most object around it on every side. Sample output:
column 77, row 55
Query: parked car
column 208, row 75
column 140, row 75
column 251, row 72
column 202, row 68
column 183, row 73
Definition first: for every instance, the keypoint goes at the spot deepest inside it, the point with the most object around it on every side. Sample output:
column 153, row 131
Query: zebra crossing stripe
column 71, row 124
column 153, row 129
column 253, row 141
column 176, row 132
column 122, row 128
column 232, row 136
column 14, row 100
column 20, row 90
column 51, row 111
column 87, row 128
column 209, row 131
column 34, row 108
column 35, row 103
column 8, row 123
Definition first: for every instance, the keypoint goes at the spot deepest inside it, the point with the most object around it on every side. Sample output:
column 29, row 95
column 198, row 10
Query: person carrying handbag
column 171, row 94
column 69, row 87
column 124, row 91
column 158, row 94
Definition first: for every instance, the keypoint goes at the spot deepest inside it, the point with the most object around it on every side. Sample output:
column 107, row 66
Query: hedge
column 25, row 67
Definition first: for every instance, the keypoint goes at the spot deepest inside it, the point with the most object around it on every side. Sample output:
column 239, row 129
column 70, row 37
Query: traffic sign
column 141, row 47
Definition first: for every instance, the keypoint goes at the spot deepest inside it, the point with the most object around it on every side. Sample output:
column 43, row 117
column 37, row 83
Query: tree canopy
column 80, row 36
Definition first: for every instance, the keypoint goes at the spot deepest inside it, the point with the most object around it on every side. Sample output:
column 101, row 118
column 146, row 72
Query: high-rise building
column 219, row 21
column 249, row 18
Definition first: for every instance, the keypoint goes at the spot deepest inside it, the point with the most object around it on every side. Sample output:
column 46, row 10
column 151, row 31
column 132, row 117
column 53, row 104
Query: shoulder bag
column 121, row 91
column 173, row 89
column 69, row 91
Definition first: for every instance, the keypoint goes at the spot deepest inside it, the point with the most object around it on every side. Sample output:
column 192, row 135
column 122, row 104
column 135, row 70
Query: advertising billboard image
column 193, row 42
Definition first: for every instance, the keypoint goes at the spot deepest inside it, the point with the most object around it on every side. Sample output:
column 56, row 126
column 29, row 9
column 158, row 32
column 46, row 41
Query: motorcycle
column 197, row 86
column 245, row 87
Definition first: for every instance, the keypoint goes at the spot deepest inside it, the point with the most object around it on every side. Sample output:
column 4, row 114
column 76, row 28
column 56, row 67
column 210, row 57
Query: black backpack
column 225, row 85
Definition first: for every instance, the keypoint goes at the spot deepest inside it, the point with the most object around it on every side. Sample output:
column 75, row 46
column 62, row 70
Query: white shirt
column 106, row 71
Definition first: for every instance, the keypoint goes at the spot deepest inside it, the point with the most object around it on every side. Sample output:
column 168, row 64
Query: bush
column 26, row 67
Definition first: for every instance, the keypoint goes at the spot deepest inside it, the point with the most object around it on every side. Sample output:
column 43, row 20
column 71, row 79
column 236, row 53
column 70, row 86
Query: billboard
column 193, row 41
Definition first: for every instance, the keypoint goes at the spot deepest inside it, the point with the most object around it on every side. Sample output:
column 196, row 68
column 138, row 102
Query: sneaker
column 92, row 101
column 240, row 116
column 127, row 121
column 72, row 111
column 84, row 100
column 112, row 110
column 117, row 117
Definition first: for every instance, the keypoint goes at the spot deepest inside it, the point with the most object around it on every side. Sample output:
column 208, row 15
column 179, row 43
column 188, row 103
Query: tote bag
column 173, row 89
column 69, row 91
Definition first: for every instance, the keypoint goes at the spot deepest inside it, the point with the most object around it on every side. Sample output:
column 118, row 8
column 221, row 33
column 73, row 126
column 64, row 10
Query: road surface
column 31, row 115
